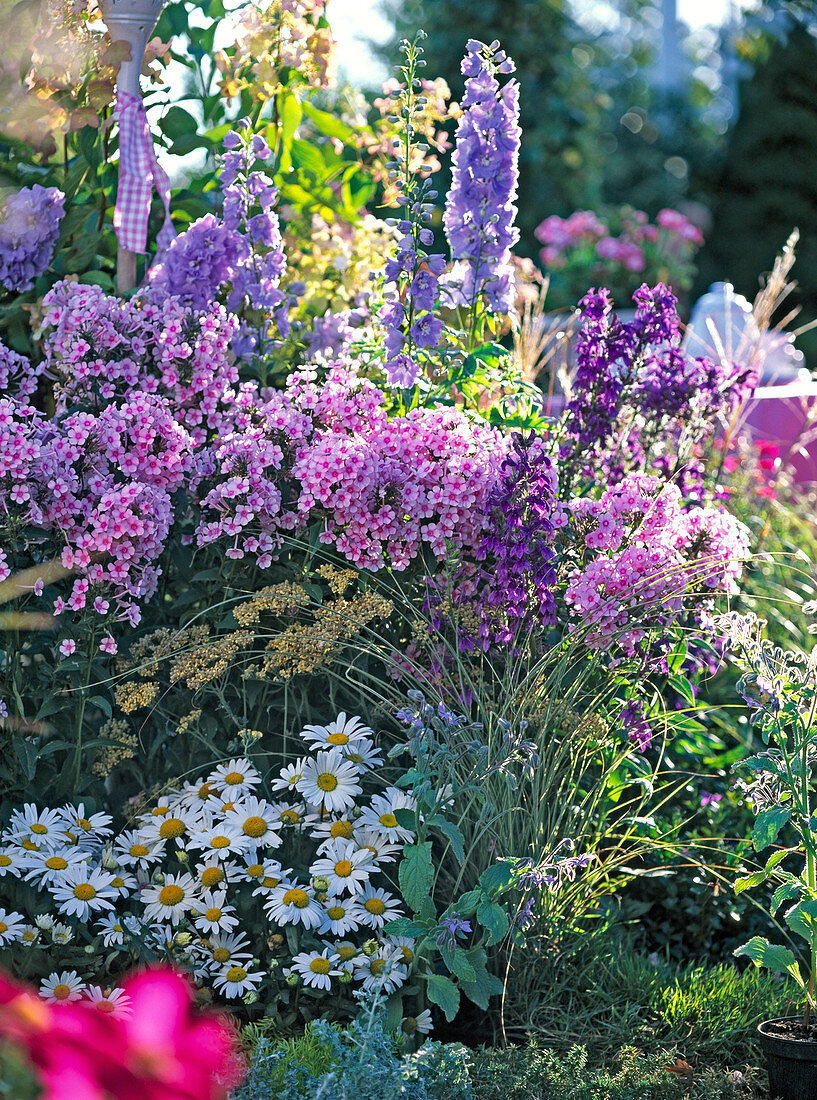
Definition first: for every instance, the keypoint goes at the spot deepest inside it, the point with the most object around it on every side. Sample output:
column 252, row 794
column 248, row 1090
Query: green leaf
column 402, row 926
column 493, row 919
column 416, row 875
column 771, row 956
column 27, row 755
column 452, row 834
column 176, row 122
column 458, row 963
column 683, row 687
column 768, row 825
column 466, row 904
column 802, row 918
column 495, row 878
column 186, row 143
column 102, row 703
column 748, row 881
column 443, row 993
column 786, row 892
column 485, row 985
column 329, row 124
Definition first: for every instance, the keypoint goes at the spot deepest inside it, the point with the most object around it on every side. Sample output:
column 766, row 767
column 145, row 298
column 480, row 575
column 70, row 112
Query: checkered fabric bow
column 139, row 172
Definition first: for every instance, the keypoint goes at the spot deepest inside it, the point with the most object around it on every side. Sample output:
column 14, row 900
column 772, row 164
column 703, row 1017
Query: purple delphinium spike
column 29, row 228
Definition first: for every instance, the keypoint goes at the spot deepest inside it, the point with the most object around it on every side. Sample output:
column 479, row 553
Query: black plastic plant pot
column 791, row 1062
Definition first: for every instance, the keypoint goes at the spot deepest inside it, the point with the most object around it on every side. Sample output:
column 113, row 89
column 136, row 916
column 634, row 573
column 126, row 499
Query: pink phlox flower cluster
column 655, row 560
column 99, row 347
column 18, row 377
column 384, row 489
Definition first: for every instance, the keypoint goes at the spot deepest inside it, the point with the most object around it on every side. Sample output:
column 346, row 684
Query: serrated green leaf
column 416, row 875
column 466, row 903
column 329, row 124
column 452, row 833
column 785, row 892
column 493, row 919
column 402, row 926
column 771, row 956
column 485, row 985
column 802, row 918
column 443, row 993
column 767, row 825
column 748, row 881
column 496, row 877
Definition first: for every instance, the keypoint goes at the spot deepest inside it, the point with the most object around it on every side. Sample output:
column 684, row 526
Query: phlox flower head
column 29, row 228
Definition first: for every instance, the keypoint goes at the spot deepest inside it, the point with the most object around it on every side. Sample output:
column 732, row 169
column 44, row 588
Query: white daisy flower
column 255, row 818
column 381, row 971
column 112, row 928
column 403, row 947
column 238, row 777
column 363, row 754
column 90, row 829
column 67, row 986
column 317, row 968
column 197, row 793
column 234, row 981
column 214, row 872
column 380, row 816
column 44, row 921
column 223, row 949
column 131, row 849
column 12, row 925
column 49, row 866
column 173, row 828
column 124, row 882
column 222, row 838
column 338, row 733
column 346, row 952
column 81, row 890
column 290, row 813
column 273, row 875
column 344, row 867
column 114, row 1002
column 61, row 933
column 330, row 781
column 293, row 904
column 214, row 914
column 290, row 776
column 377, row 906
column 254, row 871
column 29, row 935
column 171, row 900
column 332, row 828
column 37, row 830
column 381, row 850
column 11, row 860
column 417, row 1025
column 341, row 915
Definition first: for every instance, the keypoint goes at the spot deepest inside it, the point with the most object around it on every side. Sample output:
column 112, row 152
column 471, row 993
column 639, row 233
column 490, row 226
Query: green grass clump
column 531, row 1073
column 308, row 1054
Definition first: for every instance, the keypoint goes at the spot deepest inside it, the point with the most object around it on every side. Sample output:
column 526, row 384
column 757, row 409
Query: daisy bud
column 182, row 939
column 89, row 949
column 109, row 860
column 292, row 978
column 345, row 977
column 250, row 998
column 321, row 884
column 182, row 856
column 371, row 947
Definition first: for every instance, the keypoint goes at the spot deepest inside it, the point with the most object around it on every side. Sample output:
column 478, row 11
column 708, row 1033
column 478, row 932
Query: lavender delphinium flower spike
column 480, row 211
column 29, row 228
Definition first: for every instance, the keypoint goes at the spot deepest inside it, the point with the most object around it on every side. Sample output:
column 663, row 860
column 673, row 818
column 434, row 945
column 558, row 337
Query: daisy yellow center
column 171, row 895
column 221, row 954
column 29, row 937
column 213, row 913
column 293, row 779
column 409, row 1025
column 347, row 953
column 337, row 739
column 61, row 992
column 232, row 779
column 5, row 861
column 3, row 928
column 336, row 912
column 39, row 829
column 389, row 820
column 220, row 842
column 117, row 882
column 327, row 781
column 343, row 868
column 117, row 928
column 355, row 757
column 56, row 863
column 84, row 824
column 255, row 826
column 173, row 827
column 377, row 966
column 343, row 829
column 84, row 892
column 137, row 850
column 160, row 811
column 71, row 838
column 407, row 953
column 210, row 876
column 292, row 817
column 298, row 898
column 255, row 870
column 227, row 807
column 30, row 846
column 270, row 882
column 320, row 966
column 105, row 1005
column 236, row 974
column 375, row 906
column 205, row 790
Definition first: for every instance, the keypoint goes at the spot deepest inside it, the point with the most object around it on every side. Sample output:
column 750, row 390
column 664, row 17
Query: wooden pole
column 125, row 270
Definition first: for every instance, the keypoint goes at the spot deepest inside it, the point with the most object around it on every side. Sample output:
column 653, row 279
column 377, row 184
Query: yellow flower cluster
column 188, row 720
column 204, row 663
column 134, row 695
column 123, row 747
column 277, row 599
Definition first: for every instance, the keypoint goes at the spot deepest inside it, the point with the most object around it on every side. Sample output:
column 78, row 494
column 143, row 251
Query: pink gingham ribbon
column 139, row 172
